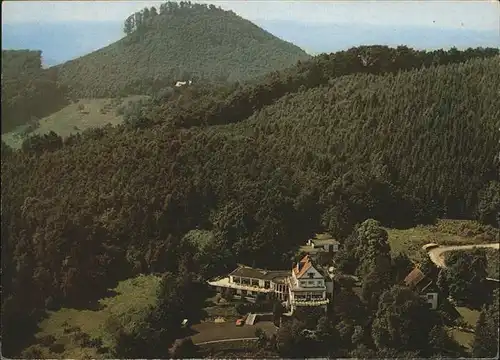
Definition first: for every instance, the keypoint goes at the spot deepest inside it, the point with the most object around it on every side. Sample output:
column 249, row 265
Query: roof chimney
column 300, row 264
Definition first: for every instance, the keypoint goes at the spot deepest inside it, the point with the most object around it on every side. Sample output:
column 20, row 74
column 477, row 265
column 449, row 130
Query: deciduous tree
column 403, row 321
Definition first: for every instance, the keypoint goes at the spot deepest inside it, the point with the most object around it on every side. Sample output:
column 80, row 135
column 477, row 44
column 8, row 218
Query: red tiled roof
column 414, row 277
column 305, row 264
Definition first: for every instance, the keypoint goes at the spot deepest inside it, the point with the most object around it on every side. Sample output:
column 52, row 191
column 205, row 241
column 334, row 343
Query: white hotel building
column 305, row 286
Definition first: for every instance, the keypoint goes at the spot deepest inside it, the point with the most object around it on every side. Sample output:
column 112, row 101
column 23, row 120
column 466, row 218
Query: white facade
column 249, row 282
column 329, row 245
column 432, row 299
column 304, row 286
column 308, row 287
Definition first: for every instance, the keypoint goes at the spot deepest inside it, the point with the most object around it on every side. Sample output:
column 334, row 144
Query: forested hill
column 21, row 62
column 331, row 143
column 178, row 41
column 28, row 91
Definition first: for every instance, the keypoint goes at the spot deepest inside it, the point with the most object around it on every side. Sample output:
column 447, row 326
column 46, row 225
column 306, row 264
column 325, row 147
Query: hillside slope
column 178, row 42
column 433, row 133
column 72, row 119
column 28, row 91
column 401, row 147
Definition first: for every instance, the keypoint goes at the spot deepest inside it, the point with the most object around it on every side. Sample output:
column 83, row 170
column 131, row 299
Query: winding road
column 228, row 340
column 436, row 254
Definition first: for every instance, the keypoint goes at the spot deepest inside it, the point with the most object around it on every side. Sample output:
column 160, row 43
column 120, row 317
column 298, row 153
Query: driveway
column 437, row 254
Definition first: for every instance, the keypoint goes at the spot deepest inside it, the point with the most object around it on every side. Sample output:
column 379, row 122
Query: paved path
column 228, row 340
column 437, row 254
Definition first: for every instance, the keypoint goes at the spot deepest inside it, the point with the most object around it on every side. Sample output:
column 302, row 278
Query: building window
column 245, row 281
column 319, row 283
column 310, row 283
column 267, row 284
column 255, row 282
column 430, row 296
column 311, row 275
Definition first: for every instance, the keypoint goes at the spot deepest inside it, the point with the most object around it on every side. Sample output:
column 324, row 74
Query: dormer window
column 311, row 275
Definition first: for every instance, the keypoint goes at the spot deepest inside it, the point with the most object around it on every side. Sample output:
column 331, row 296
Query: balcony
column 311, row 302
column 226, row 283
column 295, row 285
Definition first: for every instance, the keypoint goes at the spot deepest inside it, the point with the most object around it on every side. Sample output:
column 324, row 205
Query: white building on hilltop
column 183, row 83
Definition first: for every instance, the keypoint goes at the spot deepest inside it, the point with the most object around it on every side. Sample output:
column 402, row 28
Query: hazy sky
column 473, row 15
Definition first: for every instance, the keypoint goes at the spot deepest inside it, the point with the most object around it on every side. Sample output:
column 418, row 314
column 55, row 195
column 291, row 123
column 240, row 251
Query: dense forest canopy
column 257, row 168
column 198, row 105
column 178, row 41
column 28, row 91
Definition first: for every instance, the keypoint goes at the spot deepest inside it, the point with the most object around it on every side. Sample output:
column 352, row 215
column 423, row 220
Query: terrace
column 311, row 302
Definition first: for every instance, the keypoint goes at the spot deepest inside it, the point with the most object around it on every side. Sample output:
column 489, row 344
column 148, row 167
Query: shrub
column 244, row 308
column 183, row 349
column 218, row 297
column 228, row 294
column 50, row 304
column 94, row 343
column 57, row 348
column 81, row 338
column 33, row 352
column 47, row 340
column 241, row 308
column 71, row 329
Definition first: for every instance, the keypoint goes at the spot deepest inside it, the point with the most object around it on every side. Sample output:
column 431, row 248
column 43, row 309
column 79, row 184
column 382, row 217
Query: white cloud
column 450, row 14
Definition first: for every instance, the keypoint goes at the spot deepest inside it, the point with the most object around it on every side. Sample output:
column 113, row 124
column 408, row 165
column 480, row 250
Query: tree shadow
column 94, row 304
column 451, row 314
column 189, row 331
column 20, row 334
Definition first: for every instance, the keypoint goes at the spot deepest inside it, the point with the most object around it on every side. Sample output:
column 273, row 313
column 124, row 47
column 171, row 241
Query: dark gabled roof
column 255, row 273
column 321, row 242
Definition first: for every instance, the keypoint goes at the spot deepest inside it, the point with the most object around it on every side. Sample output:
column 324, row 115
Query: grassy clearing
column 74, row 118
column 133, row 297
column 469, row 317
column 444, row 232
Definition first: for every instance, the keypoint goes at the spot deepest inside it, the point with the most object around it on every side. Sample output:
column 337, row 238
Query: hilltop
column 390, row 134
column 178, row 41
